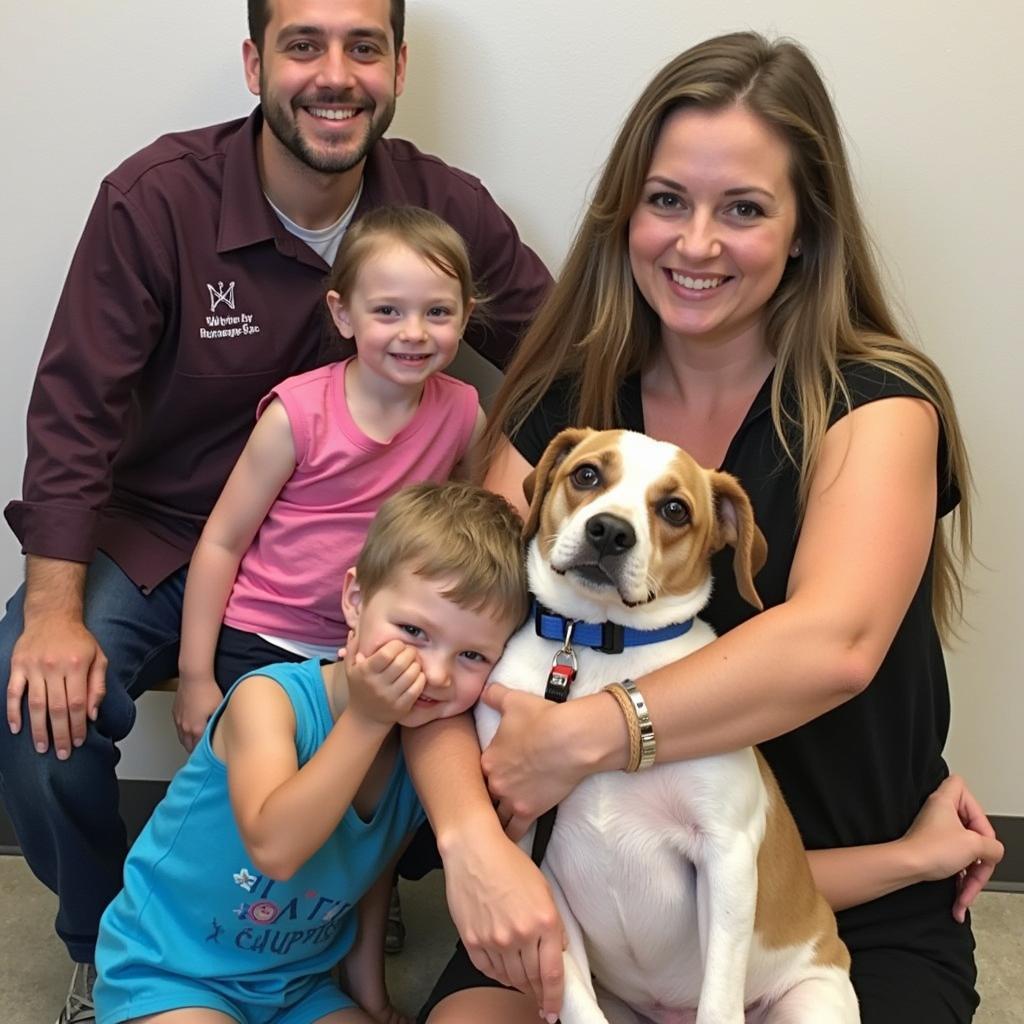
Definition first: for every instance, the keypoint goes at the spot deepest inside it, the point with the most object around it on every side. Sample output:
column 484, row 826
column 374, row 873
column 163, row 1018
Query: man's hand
column 197, row 698
column 502, row 907
column 384, row 686
column 59, row 663
column 952, row 836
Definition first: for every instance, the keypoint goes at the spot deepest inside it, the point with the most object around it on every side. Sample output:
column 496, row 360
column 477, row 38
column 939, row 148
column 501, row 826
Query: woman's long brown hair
column 829, row 308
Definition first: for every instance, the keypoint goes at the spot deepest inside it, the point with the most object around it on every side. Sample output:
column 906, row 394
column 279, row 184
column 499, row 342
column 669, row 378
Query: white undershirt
column 301, row 647
column 323, row 241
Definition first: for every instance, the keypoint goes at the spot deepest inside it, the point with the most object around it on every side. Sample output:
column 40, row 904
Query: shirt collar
column 246, row 218
column 380, row 185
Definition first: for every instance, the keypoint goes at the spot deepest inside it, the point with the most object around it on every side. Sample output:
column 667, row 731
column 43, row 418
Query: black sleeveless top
column 859, row 773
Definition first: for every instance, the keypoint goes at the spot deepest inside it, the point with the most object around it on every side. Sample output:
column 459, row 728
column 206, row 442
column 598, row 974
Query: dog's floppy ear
column 536, row 485
column 735, row 526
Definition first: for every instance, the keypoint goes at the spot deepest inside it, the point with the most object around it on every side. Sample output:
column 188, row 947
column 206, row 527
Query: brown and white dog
column 684, row 890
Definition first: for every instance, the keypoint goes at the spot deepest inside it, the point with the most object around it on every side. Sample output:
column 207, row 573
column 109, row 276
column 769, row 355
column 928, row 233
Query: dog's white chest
column 626, row 851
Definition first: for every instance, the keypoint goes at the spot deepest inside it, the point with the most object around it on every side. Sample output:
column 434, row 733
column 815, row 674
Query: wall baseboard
column 139, row 797
column 1009, row 875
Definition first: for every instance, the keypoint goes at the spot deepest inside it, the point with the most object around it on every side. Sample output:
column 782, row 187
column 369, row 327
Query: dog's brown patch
column 679, row 559
column 539, row 481
column 559, row 497
column 720, row 515
column 736, row 527
column 790, row 910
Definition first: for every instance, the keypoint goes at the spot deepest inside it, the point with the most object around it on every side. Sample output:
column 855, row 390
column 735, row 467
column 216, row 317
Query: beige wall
column 528, row 95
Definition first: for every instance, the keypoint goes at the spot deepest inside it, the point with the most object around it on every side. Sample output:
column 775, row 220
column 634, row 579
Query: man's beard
column 325, row 161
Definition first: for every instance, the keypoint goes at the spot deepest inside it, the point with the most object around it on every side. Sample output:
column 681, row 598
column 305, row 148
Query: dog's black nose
column 610, row 535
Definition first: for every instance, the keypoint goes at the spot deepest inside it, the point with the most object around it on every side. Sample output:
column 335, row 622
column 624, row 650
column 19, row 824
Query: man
column 197, row 285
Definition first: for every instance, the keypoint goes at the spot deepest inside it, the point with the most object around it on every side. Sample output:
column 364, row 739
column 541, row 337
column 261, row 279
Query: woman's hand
column 196, row 700
column 503, row 909
column 952, row 836
column 531, row 764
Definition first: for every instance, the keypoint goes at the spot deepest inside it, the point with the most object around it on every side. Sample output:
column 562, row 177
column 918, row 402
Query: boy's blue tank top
column 194, row 905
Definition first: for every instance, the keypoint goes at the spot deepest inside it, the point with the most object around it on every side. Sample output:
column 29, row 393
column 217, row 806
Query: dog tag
column 561, row 676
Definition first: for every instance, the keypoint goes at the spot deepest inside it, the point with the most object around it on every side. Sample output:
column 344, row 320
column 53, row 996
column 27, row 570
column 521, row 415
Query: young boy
column 240, row 895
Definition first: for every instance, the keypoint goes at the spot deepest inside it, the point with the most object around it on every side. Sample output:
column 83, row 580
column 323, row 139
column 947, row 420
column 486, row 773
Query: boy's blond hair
column 454, row 532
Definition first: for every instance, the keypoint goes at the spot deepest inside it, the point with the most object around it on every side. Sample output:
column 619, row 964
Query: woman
column 721, row 294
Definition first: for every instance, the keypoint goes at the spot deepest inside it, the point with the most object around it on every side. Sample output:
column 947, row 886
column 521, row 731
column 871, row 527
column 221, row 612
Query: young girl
column 328, row 448
column 240, row 895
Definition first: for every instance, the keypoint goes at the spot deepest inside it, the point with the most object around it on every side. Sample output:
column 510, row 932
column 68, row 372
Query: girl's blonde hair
column 426, row 234
column 829, row 307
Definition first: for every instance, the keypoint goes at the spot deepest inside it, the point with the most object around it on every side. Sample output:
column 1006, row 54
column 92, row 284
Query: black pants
column 239, row 652
column 912, row 964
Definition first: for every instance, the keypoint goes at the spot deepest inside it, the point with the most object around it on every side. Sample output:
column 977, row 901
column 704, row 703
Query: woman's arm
column 467, row 465
column 505, row 476
column 266, row 463
column 950, row 836
column 863, row 547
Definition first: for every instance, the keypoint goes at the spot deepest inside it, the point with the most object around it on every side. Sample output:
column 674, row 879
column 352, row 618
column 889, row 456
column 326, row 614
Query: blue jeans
column 65, row 813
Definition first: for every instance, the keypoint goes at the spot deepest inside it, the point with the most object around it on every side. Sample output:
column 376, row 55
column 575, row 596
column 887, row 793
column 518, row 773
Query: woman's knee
column 494, row 1005
column 895, row 986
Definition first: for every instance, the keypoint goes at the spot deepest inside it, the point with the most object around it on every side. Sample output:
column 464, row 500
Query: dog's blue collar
column 608, row 637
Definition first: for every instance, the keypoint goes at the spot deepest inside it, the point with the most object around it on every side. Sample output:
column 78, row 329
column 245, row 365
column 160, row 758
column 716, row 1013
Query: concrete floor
column 34, row 970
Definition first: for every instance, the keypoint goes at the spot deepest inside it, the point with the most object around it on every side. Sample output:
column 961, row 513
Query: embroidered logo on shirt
column 228, row 323
column 221, row 294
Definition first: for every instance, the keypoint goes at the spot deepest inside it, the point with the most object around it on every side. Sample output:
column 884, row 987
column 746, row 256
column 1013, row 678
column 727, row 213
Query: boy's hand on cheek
column 384, row 686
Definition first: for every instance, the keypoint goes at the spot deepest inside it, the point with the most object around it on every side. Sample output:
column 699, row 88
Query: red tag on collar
column 560, row 678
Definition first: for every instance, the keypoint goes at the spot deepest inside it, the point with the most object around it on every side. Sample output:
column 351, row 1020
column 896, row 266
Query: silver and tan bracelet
column 642, row 744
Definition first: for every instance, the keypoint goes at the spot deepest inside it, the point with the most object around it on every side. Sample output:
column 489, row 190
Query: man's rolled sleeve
column 110, row 316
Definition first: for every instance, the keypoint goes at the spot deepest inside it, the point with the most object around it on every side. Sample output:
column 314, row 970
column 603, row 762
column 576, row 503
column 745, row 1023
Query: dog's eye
column 586, row 476
column 675, row 512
